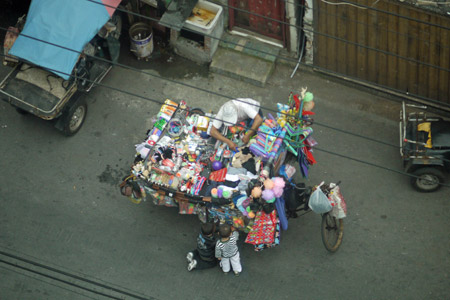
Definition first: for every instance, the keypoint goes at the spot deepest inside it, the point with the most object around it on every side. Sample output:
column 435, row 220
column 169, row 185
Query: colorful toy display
column 178, row 164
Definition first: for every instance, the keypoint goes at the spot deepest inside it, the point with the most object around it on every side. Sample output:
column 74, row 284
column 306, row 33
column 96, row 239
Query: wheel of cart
column 332, row 228
column 332, row 231
column 195, row 111
column 297, row 198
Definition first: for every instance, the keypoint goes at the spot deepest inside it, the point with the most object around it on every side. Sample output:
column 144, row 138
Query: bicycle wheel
column 332, row 232
column 195, row 111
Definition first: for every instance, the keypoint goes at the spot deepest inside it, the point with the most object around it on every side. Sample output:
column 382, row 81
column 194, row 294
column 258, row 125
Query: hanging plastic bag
column 319, row 202
column 340, row 207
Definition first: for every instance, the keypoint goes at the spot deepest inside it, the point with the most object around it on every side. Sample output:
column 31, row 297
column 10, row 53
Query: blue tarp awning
column 67, row 23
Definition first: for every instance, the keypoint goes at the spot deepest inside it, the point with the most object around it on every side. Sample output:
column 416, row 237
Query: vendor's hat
column 228, row 113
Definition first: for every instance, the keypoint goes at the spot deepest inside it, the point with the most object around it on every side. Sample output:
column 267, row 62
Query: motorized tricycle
column 51, row 95
column 424, row 147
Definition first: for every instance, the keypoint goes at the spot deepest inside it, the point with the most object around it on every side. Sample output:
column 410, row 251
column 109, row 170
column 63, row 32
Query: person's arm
column 253, row 130
column 217, row 253
column 235, row 234
column 218, row 136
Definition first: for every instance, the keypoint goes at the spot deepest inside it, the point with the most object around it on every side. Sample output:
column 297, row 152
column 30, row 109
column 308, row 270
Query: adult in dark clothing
column 204, row 256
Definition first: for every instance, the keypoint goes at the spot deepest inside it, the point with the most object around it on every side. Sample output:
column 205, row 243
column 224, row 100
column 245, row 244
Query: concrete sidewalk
column 325, row 88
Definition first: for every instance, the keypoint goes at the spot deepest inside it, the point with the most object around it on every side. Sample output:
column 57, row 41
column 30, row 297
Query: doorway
column 264, row 17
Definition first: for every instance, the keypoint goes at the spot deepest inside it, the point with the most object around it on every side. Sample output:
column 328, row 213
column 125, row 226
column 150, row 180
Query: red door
column 265, row 17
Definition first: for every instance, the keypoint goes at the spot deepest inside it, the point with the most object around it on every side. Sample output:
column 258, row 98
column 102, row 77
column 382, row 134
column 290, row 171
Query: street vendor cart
column 253, row 189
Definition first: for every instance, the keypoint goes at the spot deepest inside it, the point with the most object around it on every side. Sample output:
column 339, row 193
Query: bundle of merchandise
column 179, row 165
column 289, row 130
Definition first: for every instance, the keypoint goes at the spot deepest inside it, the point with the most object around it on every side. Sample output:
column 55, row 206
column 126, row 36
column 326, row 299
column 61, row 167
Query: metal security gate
column 389, row 44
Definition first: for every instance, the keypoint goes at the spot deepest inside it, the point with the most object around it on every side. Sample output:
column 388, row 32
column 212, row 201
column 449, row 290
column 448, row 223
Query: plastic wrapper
column 319, row 203
column 339, row 210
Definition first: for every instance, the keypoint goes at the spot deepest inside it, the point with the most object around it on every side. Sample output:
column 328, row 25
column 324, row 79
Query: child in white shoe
column 203, row 257
column 227, row 250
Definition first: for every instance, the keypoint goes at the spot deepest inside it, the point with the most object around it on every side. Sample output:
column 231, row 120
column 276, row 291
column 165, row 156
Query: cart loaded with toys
column 179, row 165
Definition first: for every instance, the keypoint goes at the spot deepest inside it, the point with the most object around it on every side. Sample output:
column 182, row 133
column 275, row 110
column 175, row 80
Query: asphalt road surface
column 67, row 233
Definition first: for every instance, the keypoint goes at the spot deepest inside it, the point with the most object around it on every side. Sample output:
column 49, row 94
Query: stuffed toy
column 240, row 158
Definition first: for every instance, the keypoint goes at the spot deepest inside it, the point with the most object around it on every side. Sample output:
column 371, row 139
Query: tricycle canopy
column 51, row 25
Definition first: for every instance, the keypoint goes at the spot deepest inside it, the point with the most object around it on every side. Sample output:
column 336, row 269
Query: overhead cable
column 298, row 27
column 197, row 88
column 67, row 274
column 214, row 118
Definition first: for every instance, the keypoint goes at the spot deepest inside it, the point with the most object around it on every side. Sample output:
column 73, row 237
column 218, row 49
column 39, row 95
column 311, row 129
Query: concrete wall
column 292, row 14
column 308, row 29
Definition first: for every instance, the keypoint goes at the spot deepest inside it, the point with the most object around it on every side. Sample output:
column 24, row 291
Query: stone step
column 241, row 66
column 250, row 47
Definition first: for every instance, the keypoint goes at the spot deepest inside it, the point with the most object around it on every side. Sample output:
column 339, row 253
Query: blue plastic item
column 67, row 23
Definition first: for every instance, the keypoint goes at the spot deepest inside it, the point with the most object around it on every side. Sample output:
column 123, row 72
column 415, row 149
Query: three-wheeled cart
column 424, row 147
column 32, row 87
column 176, row 166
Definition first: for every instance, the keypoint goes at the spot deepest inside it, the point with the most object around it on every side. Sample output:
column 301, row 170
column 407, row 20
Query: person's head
column 225, row 230
column 207, row 228
column 228, row 113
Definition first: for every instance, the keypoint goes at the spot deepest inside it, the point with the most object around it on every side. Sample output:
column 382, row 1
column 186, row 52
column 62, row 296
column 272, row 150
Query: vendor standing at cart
column 233, row 112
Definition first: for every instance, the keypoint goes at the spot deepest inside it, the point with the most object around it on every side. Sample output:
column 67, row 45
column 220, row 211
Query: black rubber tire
column 74, row 118
column 429, row 179
column 332, row 231
column 195, row 111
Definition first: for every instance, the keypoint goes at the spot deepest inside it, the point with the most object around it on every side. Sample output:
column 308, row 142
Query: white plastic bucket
column 141, row 36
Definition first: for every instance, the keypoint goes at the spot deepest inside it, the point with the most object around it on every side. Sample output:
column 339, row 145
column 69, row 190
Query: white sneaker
column 190, row 256
column 192, row 265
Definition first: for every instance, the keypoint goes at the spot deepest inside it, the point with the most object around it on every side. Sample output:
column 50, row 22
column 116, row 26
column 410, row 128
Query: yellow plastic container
column 202, row 123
